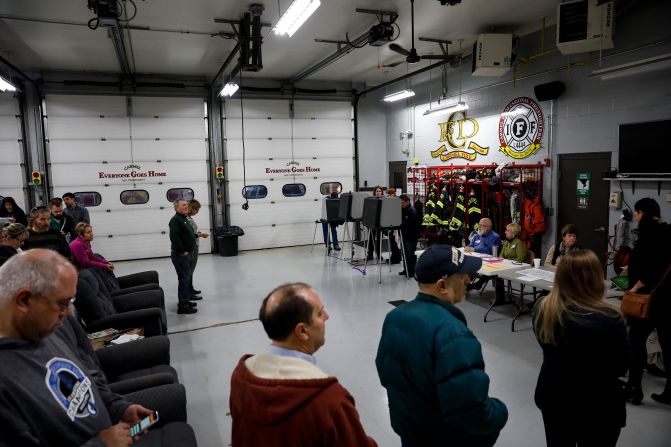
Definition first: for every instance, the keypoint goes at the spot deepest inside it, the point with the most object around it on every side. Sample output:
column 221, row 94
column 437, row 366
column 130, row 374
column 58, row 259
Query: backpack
column 534, row 217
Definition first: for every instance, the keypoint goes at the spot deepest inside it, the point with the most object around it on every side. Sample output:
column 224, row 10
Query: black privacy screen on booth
column 644, row 148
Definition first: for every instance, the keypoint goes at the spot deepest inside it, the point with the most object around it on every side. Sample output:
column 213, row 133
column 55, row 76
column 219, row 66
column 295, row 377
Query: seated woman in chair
column 569, row 237
column 81, row 249
column 513, row 247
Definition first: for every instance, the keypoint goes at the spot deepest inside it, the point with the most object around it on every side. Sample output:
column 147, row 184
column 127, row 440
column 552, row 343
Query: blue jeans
column 334, row 233
column 183, row 268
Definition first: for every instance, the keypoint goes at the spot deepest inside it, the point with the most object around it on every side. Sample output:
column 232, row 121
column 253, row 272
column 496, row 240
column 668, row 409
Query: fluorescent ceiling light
column 399, row 95
column 294, row 17
column 632, row 68
column 6, row 86
column 229, row 89
column 458, row 107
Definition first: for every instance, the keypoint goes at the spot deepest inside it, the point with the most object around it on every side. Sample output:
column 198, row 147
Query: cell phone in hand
column 144, row 424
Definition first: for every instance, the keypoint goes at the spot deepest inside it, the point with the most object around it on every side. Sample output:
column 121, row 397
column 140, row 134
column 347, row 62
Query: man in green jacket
column 431, row 364
column 182, row 245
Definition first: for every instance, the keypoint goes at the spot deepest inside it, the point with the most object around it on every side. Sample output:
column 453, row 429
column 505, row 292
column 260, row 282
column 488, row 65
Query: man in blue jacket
column 485, row 240
column 431, row 364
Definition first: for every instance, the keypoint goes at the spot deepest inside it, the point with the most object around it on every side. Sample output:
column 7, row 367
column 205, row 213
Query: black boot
column 634, row 393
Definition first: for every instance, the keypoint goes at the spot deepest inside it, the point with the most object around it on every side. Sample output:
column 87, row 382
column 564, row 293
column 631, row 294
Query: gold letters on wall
column 456, row 133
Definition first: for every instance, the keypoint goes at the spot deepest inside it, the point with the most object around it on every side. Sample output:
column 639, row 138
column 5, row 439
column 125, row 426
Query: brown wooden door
column 583, row 199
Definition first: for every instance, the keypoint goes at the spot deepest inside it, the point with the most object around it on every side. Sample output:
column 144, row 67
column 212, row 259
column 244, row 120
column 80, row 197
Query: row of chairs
column 139, row 370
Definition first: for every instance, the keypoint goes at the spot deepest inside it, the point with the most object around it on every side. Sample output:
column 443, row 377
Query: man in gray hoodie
column 48, row 397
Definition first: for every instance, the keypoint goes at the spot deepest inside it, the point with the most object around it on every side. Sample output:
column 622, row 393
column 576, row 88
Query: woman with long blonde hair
column 585, row 352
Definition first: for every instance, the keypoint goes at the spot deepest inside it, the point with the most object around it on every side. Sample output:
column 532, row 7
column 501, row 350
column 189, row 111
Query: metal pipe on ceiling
column 408, row 75
column 226, row 63
column 222, row 34
column 342, row 51
column 116, row 34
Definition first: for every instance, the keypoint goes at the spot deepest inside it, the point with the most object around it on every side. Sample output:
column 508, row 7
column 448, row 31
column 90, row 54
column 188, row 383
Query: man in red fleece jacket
column 280, row 397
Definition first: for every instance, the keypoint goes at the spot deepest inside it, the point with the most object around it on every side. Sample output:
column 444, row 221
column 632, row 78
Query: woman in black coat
column 9, row 208
column 585, row 352
column 648, row 263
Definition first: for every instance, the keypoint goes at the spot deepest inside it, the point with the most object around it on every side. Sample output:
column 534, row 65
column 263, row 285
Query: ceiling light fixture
column 229, row 89
column 399, row 95
column 6, row 86
column 458, row 107
column 644, row 65
column 295, row 15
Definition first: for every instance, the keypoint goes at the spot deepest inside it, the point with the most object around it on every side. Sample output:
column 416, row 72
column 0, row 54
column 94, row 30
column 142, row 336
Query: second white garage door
column 294, row 159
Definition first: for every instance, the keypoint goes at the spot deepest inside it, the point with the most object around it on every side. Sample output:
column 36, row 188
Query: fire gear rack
column 456, row 197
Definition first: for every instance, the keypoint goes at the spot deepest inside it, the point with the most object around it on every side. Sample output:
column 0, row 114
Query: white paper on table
column 125, row 338
column 538, row 274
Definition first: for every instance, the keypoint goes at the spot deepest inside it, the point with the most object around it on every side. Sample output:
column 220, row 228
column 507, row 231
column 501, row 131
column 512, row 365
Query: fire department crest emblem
column 521, row 128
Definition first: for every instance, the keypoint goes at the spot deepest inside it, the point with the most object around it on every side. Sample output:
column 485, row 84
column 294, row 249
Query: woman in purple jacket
column 81, row 249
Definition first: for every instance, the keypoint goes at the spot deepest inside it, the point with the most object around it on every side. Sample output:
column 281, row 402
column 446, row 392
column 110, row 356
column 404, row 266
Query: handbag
column 637, row 305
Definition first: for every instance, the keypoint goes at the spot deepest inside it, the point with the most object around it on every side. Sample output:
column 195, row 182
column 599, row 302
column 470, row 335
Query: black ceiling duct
column 115, row 84
column 307, row 90
column 262, row 89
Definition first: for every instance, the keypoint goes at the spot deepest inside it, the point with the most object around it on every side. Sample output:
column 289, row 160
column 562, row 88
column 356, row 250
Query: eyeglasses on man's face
column 64, row 305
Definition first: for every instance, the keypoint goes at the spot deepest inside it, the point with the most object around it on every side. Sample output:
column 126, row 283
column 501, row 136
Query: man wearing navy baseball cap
column 431, row 364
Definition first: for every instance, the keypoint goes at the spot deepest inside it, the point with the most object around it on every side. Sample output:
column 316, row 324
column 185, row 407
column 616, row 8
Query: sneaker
column 193, row 304
column 336, row 247
column 402, row 273
column 186, row 310
column 195, row 298
column 195, row 292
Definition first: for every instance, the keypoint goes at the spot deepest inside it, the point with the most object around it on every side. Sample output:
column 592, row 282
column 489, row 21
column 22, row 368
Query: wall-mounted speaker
column 551, row 90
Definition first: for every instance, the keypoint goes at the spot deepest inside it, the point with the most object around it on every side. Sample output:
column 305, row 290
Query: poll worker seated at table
column 485, row 240
column 567, row 243
column 513, row 249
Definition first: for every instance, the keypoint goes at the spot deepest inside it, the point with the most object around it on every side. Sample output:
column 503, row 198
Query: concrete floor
column 205, row 347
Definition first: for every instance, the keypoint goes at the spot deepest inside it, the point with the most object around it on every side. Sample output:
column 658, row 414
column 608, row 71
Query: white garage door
column 12, row 177
column 127, row 159
column 313, row 148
